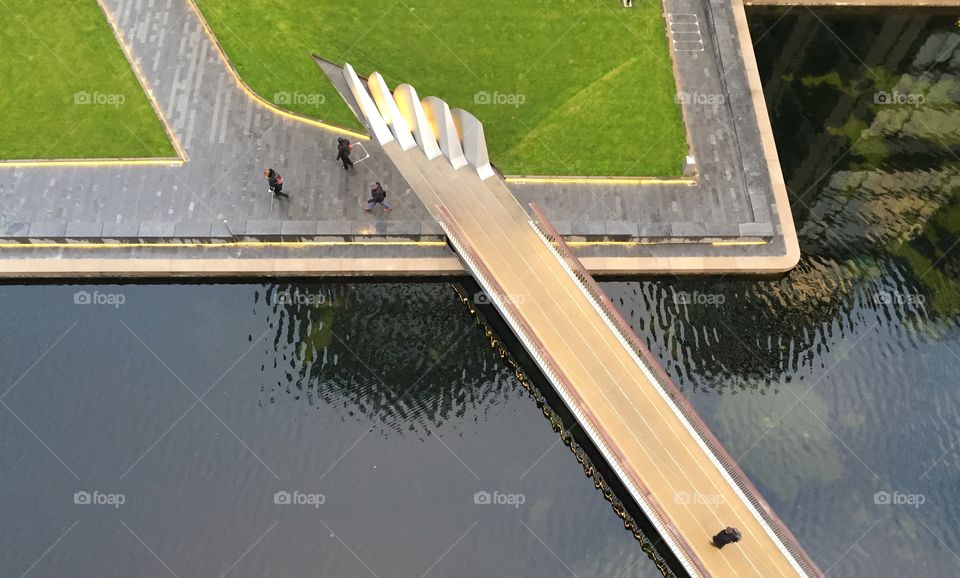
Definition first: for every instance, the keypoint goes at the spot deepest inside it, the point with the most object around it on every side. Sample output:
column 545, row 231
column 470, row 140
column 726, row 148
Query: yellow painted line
column 615, row 243
column 633, row 243
column 143, row 82
column 248, row 244
column 256, row 97
column 600, row 181
column 165, row 162
column 732, row 243
column 302, row 244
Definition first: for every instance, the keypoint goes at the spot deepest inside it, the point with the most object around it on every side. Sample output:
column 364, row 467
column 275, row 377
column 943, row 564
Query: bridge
column 673, row 467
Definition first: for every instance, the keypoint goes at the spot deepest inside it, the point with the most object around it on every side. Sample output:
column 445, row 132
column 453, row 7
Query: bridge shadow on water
column 572, row 435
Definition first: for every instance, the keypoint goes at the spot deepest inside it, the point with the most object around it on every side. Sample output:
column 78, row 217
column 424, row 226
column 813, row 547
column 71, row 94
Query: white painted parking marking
column 685, row 32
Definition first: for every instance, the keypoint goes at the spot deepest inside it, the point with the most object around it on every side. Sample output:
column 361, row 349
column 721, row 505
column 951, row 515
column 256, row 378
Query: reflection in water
column 350, row 346
column 317, row 320
column 835, row 385
column 386, row 400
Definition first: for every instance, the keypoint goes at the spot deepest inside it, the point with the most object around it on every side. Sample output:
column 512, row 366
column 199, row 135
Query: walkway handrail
column 730, row 465
column 498, row 296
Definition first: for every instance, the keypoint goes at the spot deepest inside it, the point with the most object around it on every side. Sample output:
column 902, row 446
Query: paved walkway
column 228, row 137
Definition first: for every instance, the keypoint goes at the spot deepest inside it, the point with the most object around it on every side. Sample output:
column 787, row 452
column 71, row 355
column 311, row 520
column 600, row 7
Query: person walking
column 276, row 183
column 728, row 535
column 378, row 195
column 343, row 152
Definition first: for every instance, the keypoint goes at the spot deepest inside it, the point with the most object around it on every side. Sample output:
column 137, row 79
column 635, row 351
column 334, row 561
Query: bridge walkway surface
column 668, row 460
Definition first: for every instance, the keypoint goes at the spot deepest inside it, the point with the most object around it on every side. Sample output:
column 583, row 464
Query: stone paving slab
column 114, row 231
column 220, row 231
column 261, row 229
column 654, row 231
column 82, row 230
column 688, row 230
column 565, row 228
column 756, row 229
column 15, row 229
column 620, row 229
column 430, row 229
column 189, row 230
column 298, row 228
column 334, row 228
column 721, row 230
column 53, row 230
column 156, row 230
column 588, row 228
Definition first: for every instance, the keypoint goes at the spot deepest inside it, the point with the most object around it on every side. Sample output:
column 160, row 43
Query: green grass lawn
column 562, row 86
column 67, row 89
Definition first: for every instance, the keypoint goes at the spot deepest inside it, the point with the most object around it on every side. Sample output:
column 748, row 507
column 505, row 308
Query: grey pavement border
column 626, row 228
column 192, row 232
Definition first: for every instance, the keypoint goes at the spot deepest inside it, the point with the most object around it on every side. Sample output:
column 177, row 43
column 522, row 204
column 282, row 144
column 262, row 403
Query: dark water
column 837, row 385
column 385, row 399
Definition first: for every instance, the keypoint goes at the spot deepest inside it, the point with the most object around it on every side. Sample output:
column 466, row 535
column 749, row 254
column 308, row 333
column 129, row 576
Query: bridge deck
column 638, row 428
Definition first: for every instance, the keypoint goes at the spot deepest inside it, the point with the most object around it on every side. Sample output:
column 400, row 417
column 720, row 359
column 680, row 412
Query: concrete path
column 228, row 137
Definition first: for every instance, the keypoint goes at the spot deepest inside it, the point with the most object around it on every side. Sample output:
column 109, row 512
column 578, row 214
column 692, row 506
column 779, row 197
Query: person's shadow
column 281, row 208
column 380, row 225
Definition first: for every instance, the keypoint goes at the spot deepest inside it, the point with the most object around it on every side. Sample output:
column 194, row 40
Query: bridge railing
column 729, row 465
column 536, row 349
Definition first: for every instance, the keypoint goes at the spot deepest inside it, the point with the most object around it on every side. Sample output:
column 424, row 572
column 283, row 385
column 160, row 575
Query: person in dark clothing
column 377, row 195
column 343, row 152
column 728, row 535
column 276, row 183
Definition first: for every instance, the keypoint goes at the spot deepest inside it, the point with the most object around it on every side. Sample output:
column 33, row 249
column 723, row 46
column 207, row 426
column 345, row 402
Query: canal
column 351, row 429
